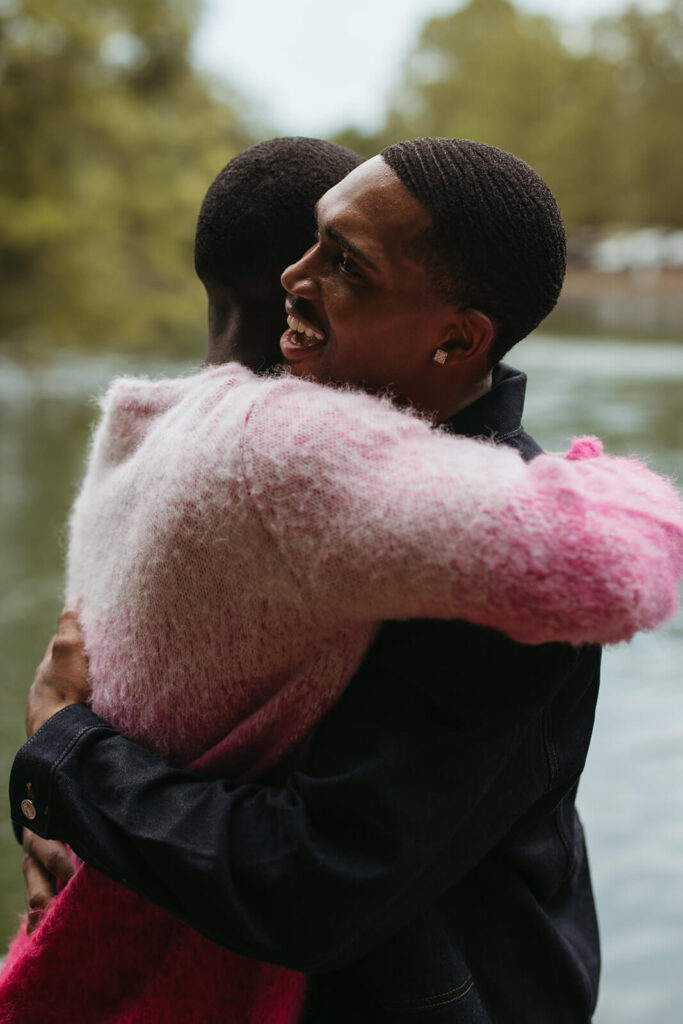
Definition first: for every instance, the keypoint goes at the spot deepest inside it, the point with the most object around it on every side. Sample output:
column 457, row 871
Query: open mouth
column 303, row 334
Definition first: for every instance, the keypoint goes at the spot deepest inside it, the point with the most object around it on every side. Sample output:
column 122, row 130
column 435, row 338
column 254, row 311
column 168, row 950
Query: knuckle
column 64, row 646
column 42, row 670
column 51, row 861
column 68, row 625
column 36, row 901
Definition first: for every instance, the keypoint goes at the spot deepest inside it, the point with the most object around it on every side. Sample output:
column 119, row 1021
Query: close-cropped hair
column 496, row 242
column 258, row 214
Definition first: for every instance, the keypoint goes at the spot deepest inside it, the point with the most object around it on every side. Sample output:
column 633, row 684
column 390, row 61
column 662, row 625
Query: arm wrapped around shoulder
column 378, row 516
column 608, row 550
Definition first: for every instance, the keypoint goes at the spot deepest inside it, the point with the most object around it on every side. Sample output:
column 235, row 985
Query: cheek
column 351, row 316
column 371, row 331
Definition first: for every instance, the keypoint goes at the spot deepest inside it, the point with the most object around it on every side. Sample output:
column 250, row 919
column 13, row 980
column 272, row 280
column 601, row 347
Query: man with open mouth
column 429, row 862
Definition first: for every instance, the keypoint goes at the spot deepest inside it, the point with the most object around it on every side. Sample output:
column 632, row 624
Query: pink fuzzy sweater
column 235, row 544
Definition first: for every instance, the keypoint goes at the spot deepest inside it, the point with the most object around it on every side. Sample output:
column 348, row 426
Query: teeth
column 300, row 328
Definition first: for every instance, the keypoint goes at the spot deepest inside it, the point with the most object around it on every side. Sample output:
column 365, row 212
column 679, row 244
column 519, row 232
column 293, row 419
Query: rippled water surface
column 631, row 797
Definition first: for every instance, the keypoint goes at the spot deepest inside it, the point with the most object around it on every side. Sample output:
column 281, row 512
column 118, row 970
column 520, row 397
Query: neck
column 245, row 334
column 470, row 395
column 224, row 333
column 449, row 401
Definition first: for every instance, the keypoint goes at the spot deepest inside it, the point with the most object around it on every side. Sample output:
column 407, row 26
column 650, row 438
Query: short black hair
column 497, row 242
column 258, row 214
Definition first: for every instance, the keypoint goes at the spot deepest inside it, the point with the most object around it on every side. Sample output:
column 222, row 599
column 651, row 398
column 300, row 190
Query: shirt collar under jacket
column 498, row 413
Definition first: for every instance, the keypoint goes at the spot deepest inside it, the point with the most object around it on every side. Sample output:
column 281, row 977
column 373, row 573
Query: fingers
column 62, row 676
column 43, row 862
column 68, row 651
column 68, row 631
column 48, row 652
column 68, row 636
column 40, row 891
column 52, row 856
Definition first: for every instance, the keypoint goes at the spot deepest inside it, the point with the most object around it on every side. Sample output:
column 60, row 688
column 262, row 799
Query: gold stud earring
column 440, row 356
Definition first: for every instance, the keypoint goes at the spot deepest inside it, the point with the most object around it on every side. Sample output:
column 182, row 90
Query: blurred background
column 114, row 118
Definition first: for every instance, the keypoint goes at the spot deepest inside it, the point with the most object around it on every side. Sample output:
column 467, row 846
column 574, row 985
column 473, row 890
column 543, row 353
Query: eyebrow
column 342, row 241
column 337, row 237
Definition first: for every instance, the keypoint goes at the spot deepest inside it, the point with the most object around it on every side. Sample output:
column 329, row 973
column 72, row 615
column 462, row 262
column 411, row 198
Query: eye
column 346, row 264
column 338, row 257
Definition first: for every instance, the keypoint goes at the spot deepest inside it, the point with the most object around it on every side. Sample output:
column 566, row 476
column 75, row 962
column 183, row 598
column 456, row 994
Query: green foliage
column 645, row 52
column 110, row 139
column 601, row 123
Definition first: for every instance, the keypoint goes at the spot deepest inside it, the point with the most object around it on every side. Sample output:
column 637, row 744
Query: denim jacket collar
column 498, row 413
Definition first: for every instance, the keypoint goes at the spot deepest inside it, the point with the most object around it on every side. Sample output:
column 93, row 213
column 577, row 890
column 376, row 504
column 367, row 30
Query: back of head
column 258, row 214
column 497, row 242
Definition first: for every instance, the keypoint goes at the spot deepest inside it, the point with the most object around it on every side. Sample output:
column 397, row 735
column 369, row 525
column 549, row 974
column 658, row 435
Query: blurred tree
column 601, row 123
column 110, row 138
column 499, row 75
column 645, row 50
column 365, row 143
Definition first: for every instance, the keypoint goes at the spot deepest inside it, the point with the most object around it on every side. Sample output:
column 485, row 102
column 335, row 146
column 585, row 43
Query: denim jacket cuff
column 32, row 777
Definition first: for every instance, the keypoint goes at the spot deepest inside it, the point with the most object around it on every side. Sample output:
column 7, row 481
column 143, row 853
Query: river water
column 631, row 798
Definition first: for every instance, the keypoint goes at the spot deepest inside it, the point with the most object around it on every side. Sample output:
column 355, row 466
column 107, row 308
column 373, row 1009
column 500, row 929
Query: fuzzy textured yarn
column 235, row 544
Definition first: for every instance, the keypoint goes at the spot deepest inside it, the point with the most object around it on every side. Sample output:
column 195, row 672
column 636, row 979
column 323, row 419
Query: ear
column 468, row 334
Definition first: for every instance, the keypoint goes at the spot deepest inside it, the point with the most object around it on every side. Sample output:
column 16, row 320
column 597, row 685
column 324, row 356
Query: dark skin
column 246, row 327
column 61, row 679
column 383, row 324
column 363, row 287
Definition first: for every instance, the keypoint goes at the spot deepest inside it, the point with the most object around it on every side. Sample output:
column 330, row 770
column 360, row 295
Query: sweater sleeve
column 379, row 516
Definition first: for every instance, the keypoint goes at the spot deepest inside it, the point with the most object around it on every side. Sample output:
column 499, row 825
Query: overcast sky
column 317, row 65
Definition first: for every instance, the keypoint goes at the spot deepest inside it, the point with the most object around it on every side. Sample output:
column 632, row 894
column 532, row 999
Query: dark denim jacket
column 428, row 864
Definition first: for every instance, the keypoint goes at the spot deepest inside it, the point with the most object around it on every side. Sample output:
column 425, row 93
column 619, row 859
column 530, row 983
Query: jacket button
column 28, row 809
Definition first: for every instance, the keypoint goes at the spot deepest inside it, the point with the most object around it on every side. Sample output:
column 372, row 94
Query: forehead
column 372, row 204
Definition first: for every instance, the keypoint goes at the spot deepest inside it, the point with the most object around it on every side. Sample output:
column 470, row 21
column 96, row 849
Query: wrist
column 36, row 719
column 39, row 759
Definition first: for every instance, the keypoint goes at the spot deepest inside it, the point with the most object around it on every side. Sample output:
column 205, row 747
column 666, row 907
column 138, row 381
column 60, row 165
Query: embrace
column 316, row 754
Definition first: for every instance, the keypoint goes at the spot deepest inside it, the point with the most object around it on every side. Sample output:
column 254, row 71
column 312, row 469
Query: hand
column 62, row 676
column 44, row 863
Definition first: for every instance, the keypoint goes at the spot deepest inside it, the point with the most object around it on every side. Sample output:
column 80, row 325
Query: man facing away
column 428, row 863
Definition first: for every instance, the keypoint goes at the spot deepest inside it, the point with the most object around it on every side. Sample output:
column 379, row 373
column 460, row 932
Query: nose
column 300, row 278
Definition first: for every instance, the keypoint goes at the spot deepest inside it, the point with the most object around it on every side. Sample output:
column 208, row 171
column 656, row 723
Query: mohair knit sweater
column 235, row 544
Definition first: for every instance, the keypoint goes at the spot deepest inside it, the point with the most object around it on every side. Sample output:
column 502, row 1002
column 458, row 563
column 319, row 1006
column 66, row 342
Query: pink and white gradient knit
column 235, row 544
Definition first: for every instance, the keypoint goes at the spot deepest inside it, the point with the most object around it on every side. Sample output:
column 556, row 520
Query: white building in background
column 646, row 249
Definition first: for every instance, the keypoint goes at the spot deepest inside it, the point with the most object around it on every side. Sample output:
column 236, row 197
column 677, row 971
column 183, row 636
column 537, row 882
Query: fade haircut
column 258, row 214
column 497, row 242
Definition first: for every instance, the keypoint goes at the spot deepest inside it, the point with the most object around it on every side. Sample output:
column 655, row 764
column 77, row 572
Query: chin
column 309, row 369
